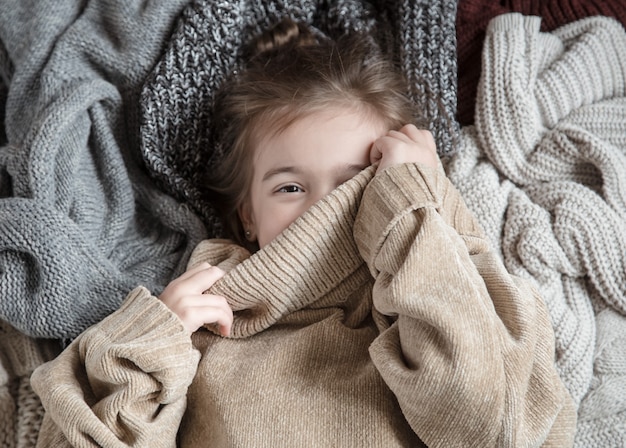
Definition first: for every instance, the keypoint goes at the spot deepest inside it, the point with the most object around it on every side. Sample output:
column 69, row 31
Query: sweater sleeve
column 470, row 353
column 122, row 382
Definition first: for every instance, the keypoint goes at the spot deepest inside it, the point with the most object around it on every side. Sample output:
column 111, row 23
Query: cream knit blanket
column 544, row 170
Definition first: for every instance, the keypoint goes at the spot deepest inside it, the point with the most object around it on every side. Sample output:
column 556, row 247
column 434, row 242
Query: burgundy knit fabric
column 474, row 15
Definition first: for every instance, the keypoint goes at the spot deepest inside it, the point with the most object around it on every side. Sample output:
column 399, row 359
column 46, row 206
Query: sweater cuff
column 392, row 194
column 140, row 316
column 147, row 333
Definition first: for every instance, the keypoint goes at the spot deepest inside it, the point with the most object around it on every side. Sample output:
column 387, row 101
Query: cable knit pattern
column 472, row 19
column 543, row 170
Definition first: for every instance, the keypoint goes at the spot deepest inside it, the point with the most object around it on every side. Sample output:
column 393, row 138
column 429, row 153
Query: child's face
column 294, row 169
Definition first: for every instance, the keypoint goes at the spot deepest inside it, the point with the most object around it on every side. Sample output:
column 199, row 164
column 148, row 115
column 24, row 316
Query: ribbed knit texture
column 472, row 19
column 206, row 47
column 544, row 170
column 101, row 352
column 307, row 256
column 463, row 357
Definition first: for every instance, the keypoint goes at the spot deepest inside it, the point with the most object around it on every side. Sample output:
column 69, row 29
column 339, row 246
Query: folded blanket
column 543, row 170
column 80, row 221
column 472, row 19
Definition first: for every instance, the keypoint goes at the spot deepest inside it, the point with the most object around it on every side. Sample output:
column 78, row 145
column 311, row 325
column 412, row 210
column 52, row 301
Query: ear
column 247, row 221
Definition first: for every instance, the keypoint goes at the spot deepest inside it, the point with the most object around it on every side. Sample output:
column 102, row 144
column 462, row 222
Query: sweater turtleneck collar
column 314, row 257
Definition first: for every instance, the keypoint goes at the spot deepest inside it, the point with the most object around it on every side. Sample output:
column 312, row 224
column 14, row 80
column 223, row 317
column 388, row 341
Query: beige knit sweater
column 379, row 318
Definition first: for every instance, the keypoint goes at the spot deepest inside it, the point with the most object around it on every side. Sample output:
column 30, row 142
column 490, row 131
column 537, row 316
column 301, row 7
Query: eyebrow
column 348, row 168
column 280, row 170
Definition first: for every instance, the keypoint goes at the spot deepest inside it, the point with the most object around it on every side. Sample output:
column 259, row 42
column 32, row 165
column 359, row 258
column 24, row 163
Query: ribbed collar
column 314, row 257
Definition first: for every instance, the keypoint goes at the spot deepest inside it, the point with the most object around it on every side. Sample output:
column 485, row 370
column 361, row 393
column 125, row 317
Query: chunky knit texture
column 472, row 19
column 380, row 314
column 80, row 222
column 544, row 170
column 206, row 47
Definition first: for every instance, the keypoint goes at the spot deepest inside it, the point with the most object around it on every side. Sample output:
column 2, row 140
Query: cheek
column 272, row 221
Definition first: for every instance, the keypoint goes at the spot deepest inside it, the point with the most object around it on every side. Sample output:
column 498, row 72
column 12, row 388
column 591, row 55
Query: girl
column 356, row 305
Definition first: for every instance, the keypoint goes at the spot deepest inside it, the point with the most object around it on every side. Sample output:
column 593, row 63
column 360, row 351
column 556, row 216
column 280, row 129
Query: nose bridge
column 323, row 189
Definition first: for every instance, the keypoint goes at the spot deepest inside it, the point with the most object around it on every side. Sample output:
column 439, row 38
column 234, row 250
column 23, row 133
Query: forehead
column 330, row 133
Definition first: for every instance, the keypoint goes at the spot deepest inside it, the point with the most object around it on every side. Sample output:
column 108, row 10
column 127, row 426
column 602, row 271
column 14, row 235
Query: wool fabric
column 81, row 223
column 543, row 171
column 472, row 19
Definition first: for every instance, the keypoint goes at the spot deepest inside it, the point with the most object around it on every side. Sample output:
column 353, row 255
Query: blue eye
column 290, row 189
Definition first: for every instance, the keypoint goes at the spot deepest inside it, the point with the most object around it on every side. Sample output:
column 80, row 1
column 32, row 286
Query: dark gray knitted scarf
column 105, row 106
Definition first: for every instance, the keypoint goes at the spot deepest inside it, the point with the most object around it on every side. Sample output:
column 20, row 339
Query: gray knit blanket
column 544, row 170
column 81, row 222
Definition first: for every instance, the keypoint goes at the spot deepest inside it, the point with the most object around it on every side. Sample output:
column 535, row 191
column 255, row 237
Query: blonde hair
column 291, row 74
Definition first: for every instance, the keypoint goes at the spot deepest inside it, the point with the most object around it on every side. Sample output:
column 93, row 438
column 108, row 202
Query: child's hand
column 409, row 144
column 184, row 296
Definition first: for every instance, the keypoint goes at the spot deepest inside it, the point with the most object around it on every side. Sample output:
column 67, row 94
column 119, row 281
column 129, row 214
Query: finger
column 200, row 300
column 408, row 134
column 195, row 311
column 196, row 317
column 205, row 278
column 400, row 135
column 199, row 267
column 193, row 284
column 375, row 152
column 386, row 145
column 423, row 136
column 412, row 131
column 199, row 281
column 222, row 316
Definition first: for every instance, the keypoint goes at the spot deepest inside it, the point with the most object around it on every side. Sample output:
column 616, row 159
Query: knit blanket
column 81, row 222
column 472, row 19
column 544, row 171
